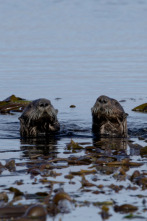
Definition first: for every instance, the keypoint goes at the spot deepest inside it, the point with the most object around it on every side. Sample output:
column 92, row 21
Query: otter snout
column 44, row 104
column 103, row 99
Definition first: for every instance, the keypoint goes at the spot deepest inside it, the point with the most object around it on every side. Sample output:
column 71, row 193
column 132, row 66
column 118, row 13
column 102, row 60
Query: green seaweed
column 74, row 145
column 141, row 108
column 131, row 216
column 13, row 104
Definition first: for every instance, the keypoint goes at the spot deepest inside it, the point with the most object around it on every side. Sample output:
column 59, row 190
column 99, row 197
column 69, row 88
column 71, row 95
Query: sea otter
column 109, row 118
column 38, row 118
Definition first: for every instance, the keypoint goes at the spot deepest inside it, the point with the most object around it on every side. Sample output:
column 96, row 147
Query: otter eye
column 41, row 105
column 102, row 101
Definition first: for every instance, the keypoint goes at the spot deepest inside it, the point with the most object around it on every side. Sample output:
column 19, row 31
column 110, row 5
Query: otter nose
column 103, row 100
column 43, row 104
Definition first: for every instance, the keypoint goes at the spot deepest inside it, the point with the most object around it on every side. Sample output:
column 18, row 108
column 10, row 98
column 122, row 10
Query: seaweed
column 141, row 108
column 13, row 104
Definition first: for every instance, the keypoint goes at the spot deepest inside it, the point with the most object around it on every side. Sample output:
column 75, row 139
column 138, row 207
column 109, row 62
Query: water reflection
column 46, row 146
column 110, row 143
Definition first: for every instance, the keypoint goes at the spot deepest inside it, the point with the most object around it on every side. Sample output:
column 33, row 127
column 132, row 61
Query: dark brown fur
column 39, row 117
column 109, row 118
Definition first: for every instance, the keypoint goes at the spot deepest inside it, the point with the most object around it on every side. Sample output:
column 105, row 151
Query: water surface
column 76, row 51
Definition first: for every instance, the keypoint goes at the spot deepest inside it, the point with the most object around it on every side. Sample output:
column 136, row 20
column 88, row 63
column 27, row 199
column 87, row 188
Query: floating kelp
column 143, row 151
column 141, row 108
column 132, row 216
column 16, row 191
column 125, row 208
column 10, row 165
column 61, row 195
column 69, row 176
column 116, row 188
column 134, row 177
column 62, row 202
column 72, row 106
column 104, row 203
column 90, row 148
column 23, row 213
column 105, row 212
column 3, row 197
column 74, row 145
column 125, row 162
column 139, row 179
column 13, row 104
column 86, row 183
column 12, row 211
column 36, row 211
column 81, row 172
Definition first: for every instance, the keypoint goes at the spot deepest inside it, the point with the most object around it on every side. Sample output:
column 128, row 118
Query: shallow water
column 76, row 51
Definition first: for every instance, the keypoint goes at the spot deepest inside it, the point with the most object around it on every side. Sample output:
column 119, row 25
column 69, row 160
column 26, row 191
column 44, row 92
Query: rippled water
column 76, row 51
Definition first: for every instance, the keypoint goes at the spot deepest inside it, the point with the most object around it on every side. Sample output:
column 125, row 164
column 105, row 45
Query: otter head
column 37, row 118
column 109, row 118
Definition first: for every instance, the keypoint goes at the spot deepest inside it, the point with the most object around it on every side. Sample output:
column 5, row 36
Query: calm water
column 74, row 50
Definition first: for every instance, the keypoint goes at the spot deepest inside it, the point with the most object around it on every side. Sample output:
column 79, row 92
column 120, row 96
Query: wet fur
column 109, row 118
column 37, row 118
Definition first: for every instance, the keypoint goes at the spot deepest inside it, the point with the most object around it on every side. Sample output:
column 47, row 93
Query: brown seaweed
column 13, row 104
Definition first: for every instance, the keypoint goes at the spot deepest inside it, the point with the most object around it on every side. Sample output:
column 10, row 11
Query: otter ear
column 125, row 115
column 21, row 119
column 93, row 110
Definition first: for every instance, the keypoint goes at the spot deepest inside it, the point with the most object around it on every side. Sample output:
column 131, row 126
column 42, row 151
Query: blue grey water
column 74, row 50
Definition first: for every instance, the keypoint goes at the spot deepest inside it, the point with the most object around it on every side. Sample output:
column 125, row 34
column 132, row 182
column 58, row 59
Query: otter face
column 37, row 118
column 109, row 118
